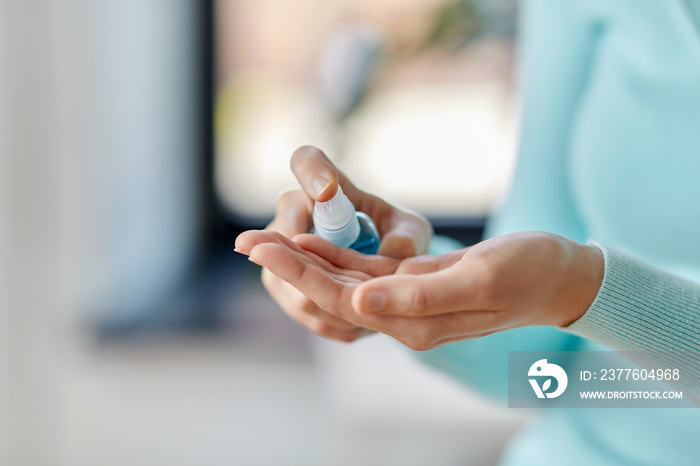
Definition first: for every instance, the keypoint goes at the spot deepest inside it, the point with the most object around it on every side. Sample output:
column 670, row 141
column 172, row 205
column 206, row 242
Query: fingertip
column 315, row 172
column 323, row 189
column 252, row 258
column 245, row 241
column 397, row 247
column 305, row 239
column 369, row 300
column 257, row 253
column 253, row 254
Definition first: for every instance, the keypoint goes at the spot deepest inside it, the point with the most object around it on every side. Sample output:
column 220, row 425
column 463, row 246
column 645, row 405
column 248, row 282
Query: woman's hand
column 402, row 235
column 516, row 280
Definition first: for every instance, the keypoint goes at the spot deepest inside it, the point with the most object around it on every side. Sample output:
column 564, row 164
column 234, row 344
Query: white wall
column 97, row 187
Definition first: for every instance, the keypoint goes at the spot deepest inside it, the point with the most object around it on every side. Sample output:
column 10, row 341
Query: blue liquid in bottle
column 368, row 241
column 336, row 221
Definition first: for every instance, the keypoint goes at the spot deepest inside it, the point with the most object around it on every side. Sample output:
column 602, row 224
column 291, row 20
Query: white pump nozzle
column 335, row 220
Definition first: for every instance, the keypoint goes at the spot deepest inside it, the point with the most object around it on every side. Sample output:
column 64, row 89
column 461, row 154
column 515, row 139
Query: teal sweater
column 610, row 152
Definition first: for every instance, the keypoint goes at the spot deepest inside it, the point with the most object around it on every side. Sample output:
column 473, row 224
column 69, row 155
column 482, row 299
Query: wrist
column 584, row 281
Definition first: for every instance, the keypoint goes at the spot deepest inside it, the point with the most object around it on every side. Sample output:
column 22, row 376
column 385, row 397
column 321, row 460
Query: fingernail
column 320, row 185
column 374, row 302
column 239, row 250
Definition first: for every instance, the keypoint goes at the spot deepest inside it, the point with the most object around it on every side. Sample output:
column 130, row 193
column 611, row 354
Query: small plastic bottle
column 336, row 221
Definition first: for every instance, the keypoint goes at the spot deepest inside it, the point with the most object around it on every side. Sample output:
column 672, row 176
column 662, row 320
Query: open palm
column 516, row 280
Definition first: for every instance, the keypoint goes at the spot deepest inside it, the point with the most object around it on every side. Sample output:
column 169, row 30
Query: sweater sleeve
column 643, row 308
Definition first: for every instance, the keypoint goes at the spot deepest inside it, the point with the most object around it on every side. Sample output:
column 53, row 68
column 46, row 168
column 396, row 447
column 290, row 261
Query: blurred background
column 139, row 137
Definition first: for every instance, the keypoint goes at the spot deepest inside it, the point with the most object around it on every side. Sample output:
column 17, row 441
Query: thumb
column 448, row 290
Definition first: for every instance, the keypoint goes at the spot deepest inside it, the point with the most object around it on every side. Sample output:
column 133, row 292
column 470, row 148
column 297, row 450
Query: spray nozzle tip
column 336, row 204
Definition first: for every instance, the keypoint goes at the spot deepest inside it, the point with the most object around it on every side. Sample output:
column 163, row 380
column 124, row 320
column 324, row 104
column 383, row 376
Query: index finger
column 316, row 173
column 329, row 291
column 345, row 258
column 318, row 177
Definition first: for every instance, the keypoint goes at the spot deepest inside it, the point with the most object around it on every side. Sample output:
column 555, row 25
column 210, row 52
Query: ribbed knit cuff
column 641, row 308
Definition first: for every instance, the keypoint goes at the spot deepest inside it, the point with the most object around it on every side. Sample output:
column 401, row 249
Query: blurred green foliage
column 453, row 24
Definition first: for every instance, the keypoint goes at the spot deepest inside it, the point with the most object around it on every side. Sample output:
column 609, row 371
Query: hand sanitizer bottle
column 336, row 221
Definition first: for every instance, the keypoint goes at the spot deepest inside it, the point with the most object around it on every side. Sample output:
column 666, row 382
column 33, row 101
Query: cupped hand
column 516, row 280
column 403, row 235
